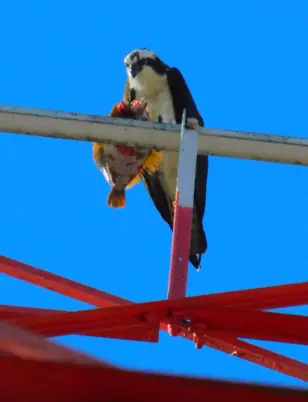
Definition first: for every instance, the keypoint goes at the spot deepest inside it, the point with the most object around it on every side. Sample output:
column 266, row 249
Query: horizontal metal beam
column 75, row 126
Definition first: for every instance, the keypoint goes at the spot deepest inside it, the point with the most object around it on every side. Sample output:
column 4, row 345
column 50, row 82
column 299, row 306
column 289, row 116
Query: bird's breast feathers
column 162, row 106
column 168, row 170
column 147, row 82
column 154, row 88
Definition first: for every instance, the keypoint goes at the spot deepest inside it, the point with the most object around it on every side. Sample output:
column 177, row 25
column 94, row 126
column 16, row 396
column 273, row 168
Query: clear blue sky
column 246, row 64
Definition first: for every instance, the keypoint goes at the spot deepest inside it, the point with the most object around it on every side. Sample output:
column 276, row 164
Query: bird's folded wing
column 155, row 188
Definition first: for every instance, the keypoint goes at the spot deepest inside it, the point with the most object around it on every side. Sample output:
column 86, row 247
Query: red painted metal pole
column 183, row 212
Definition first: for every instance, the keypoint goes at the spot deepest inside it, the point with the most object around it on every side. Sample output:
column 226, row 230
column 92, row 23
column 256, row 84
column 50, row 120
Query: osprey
column 167, row 94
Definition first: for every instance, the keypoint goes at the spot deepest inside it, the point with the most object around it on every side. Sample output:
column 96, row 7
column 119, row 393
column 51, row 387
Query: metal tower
column 32, row 366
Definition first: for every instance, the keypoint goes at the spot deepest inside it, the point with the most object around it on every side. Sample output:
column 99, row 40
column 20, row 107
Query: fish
column 122, row 165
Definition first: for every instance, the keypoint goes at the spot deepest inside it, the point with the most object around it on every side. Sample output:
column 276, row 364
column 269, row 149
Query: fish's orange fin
column 98, row 153
column 133, row 182
column 116, row 198
column 152, row 162
column 114, row 111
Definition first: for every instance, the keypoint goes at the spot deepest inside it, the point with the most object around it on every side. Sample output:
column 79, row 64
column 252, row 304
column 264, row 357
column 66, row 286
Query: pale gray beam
column 83, row 127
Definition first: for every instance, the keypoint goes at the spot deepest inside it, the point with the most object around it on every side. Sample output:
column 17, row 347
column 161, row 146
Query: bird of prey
column 122, row 165
column 167, row 94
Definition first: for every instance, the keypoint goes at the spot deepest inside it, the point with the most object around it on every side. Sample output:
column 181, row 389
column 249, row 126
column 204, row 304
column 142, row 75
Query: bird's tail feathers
column 195, row 259
column 198, row 242
column 116, row 198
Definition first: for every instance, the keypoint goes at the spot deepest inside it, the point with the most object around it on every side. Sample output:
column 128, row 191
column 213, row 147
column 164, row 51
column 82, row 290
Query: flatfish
column 122, row 165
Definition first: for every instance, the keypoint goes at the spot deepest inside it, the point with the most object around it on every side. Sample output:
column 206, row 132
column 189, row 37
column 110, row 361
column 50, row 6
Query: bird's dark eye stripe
column 156, row 64
column 135, row 54
column 146, row 61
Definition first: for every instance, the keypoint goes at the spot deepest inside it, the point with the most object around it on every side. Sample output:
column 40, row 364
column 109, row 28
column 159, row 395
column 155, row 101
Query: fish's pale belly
column 121, row 164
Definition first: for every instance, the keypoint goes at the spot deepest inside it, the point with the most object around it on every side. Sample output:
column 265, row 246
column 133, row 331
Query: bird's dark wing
column 156, row 184
column 161, row 200
column 182, row 98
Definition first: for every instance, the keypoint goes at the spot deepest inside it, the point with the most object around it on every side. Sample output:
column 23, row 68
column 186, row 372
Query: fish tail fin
column 116, row 198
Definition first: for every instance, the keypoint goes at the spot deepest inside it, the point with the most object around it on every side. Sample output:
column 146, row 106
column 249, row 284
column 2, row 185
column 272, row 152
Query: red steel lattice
column 41, row 370
column 215, row 320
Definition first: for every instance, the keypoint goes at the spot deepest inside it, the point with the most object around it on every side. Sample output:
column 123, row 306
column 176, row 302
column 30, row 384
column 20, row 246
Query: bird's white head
column 139, row 59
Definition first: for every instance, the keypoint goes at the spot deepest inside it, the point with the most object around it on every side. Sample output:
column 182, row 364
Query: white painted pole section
column 187, row 166
column 46, row 123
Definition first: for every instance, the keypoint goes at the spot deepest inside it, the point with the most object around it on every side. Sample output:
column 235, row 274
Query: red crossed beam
column 216, row 320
